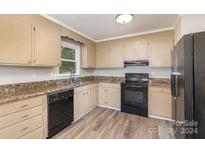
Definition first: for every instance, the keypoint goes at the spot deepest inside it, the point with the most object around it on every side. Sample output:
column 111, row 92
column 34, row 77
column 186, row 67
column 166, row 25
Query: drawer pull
column 23, row 106
column 25, row 128
column 25, row 116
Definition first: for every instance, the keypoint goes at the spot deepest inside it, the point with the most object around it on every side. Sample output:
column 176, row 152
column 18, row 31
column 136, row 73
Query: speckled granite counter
column 19, row 91
column 160, row 82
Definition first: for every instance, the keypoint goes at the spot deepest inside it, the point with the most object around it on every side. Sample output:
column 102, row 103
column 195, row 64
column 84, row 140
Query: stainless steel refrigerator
column 188, row 86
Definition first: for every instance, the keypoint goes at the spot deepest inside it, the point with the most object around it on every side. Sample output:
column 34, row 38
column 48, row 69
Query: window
column 70, row 59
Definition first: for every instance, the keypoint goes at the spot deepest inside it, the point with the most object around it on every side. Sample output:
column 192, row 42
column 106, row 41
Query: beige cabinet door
column 90, row 100
column 102, row 96
column 142, row 50
column 114, row 98
column 84, row 56
column 109, row 95
column 129, row 50
column 96, row 95
column 116, row 55
column 102, row 56
column 160, row 104
column 160, row 55
column 91, row 56
column 15, row 39
column 79, row 105
column 47, row 44
column 88, row 55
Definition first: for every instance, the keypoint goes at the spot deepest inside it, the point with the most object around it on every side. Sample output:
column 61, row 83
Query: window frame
column 76, row 47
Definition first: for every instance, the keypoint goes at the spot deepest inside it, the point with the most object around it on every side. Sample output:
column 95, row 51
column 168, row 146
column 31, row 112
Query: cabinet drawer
column 20, row 116
column 22, row 128
column 36, row 134
column 159, row 89
column 20, row 105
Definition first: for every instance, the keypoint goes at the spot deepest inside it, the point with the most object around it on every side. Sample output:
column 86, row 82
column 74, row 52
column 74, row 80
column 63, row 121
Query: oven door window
column 135, row 96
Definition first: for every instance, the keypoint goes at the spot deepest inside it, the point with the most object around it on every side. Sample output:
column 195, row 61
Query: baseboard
column 109, row 107
column 159, row 117
column 84, row 114
column 114, row 108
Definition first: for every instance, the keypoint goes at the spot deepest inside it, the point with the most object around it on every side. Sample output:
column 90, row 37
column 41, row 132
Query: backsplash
column 154, row 72
column 10, row 74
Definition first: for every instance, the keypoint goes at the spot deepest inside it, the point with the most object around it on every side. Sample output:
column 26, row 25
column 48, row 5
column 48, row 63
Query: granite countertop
column 159, row 82
column 15, row 92
column 19, row 91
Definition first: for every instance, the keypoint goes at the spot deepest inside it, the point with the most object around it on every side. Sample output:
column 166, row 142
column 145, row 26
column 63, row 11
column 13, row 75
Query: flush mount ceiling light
column 124, row 18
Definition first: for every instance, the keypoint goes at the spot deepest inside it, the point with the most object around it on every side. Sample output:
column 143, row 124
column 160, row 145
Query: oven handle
column 132, row 86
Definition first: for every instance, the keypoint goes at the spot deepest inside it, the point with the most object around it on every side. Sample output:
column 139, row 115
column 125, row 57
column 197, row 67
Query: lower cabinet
column 85, row 99
column 160, row 102
column 110, row 94
column 24, row 119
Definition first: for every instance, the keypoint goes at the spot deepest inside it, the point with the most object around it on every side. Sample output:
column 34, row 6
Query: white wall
column 9, row 74
column 190, row 23
column 154, row 72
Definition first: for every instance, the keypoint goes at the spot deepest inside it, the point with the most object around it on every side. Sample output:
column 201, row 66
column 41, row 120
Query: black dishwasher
column 60, row 111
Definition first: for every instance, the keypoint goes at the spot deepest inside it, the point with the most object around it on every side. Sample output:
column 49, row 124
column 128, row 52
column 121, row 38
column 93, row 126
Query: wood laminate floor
column 104, row 123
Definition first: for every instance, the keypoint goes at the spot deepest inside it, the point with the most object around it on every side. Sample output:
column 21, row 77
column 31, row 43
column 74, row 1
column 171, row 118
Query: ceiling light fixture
column 124, row 18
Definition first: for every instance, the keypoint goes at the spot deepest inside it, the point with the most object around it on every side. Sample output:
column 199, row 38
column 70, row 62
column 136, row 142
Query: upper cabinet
column 142, row 51
column 102, row 55
column 156, row 48
column 88, row 55
column 136, row 50
column 109, row 55
column 29, row 40
column 47, row 44
column 161, row 44
column 160, row 52
column 129, row 50
column 15, row 40
column 116, row 55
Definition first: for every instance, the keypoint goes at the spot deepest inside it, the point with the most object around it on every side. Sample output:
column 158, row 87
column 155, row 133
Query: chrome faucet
column 73, row 78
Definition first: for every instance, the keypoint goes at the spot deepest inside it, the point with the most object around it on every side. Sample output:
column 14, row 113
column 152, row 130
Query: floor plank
column 104, row 123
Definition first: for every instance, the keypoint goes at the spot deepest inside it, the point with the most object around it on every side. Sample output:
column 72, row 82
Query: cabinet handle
column 29, row 62
column 25, row 128
column 34, row 60
column 25, row 116
column 23, row 106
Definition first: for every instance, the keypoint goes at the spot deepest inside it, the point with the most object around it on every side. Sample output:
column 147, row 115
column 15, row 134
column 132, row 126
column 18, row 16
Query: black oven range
column 134, row 94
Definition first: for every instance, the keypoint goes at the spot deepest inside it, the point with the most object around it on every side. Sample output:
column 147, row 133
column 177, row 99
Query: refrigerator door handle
column 175, row 82
column 173, row 88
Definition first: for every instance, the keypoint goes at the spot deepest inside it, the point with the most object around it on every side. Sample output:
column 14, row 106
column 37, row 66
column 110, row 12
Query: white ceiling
column 103, row 26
